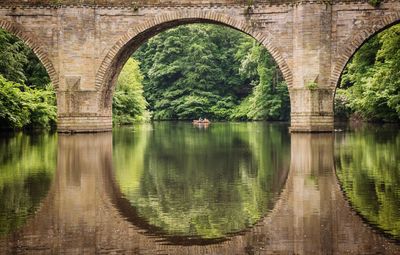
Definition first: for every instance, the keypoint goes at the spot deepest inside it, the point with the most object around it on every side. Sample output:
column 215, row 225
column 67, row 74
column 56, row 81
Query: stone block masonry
column 84, row 44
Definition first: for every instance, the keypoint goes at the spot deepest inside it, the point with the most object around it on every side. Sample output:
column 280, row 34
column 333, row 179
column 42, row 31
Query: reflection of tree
column 27, row 164
column 368, row 167
column 203, row 183
column 128, row 155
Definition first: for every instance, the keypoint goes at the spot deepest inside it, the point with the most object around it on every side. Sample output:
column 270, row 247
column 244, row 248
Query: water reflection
column 200, row 184
column 27, row 165
column 79, row 216
column 368, row 167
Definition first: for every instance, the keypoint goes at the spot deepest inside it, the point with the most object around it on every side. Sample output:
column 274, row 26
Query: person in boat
column 201, row 121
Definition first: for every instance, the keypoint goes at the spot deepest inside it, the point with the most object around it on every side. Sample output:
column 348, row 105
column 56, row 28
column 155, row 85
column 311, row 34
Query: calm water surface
column 174, row 188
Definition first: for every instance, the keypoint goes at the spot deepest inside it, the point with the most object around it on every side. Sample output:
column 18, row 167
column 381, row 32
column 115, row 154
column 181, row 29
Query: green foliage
column 189, row 70
column 56, row 2
column 269, row 99
column 342, row 105
column 312, row 85
column 22, row 106
column 375, row 3
column 27, row 166
column 18, row 63
column 129, row 105
column 207, row 71
column 368, row 167
column 26, row 98
column 372, row 79
column 188, row 182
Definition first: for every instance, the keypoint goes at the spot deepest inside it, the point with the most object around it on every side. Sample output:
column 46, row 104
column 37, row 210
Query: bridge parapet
column 169, row 3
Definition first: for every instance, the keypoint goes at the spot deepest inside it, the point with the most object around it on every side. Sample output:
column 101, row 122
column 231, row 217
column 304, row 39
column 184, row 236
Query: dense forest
column 26, row 97
column 207, row 71
column 370, row 84
column 211, row 71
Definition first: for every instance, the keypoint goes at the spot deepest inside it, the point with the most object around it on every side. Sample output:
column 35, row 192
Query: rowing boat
column 199, row 122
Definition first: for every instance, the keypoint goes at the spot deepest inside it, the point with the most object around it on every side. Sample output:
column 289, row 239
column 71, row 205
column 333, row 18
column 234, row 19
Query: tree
column 27, row 100
column 207, row 71
column 269, row 99
column 22, row 106
column 191, row 71
column 370, row 84
column 129, row 105
column 18, row 63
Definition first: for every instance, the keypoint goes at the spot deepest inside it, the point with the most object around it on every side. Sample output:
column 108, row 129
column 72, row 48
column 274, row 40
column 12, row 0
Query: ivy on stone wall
column 375, row 3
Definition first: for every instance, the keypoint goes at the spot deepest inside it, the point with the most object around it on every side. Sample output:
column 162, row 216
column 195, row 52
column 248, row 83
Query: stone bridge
column 80, row 214
column 84, row 43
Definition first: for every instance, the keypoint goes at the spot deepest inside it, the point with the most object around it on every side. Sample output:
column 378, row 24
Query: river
column 226, row 188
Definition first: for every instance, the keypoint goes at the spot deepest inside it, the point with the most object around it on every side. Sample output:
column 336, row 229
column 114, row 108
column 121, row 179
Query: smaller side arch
column 128, row 43
column 356, row 41
column 32, row 42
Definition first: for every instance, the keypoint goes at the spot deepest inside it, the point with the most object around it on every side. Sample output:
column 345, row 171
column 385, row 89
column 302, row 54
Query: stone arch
column 356, row 41
column 131, row 40
column 33, row 43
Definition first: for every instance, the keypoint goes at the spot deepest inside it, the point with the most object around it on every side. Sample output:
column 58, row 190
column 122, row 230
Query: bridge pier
column 312, row 110
column 84, row 124
column 80, row 111
column 311, row 95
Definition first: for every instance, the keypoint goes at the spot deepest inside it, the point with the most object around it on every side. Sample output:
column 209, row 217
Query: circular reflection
column 185, row 182
column 27, row 165
column 368, row 169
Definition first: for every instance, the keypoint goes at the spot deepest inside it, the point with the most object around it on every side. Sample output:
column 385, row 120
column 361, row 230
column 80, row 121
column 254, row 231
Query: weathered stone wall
column 140, row 3
column 353, row 25
column 84, row 44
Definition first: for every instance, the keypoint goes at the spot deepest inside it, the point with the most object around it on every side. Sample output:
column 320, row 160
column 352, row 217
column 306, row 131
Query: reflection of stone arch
column 350, row 205
column 79, row 214
column 131, row 214
column 30, row 40
column 356, row 41
column 128, row 43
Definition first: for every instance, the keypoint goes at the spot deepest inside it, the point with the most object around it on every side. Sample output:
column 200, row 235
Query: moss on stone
column 375, row 3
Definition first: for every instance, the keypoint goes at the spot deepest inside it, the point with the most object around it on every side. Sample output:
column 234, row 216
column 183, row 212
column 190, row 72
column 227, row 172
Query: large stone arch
column 32, row 42
column 135, row 36
column 356, row 41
